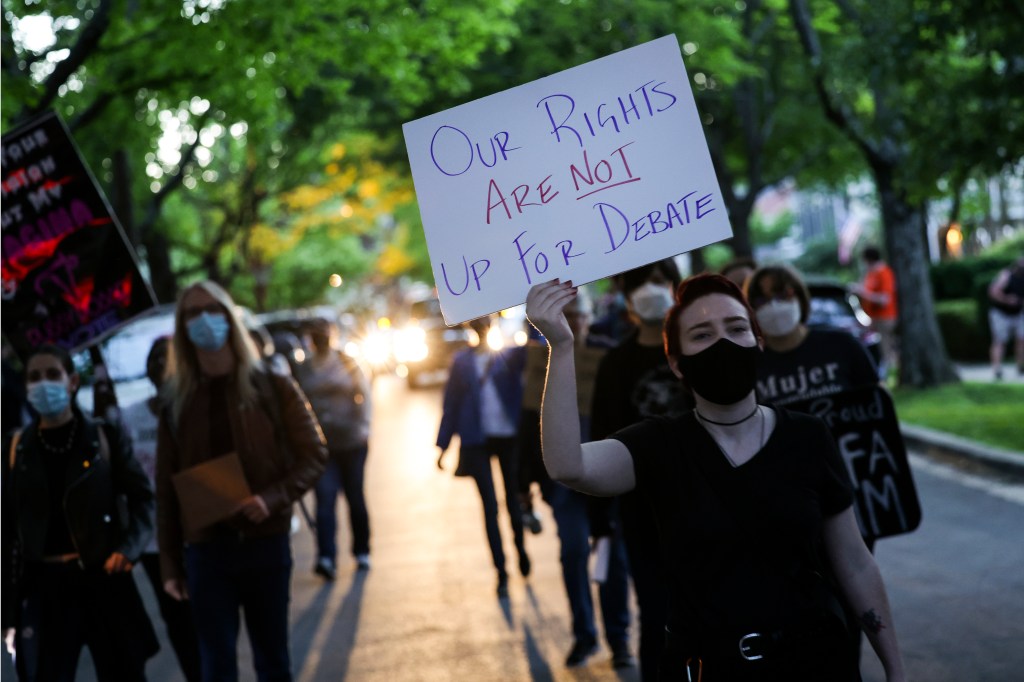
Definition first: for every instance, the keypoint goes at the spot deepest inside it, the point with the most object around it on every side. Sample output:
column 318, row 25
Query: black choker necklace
column 711, row 421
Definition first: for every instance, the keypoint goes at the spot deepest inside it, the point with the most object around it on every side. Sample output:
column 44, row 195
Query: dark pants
column 252, row 575
column 177, row 616
column 344, row 473
column 649, row 581
column 475, row 461
column 570, row 510
column 64, row 607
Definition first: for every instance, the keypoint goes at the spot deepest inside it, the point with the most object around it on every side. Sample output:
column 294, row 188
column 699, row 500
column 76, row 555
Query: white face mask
column 651, row 301
column 778, row 318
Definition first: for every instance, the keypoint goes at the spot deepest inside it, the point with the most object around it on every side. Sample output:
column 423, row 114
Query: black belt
column 751, row 646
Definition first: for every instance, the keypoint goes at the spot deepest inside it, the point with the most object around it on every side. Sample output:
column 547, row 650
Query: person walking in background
column 141, row 420
column 222, row 401
column 1006, row 316
column 77, row 514
column 798, row 362
column 634, row 381
column 339, row 392
column 877, row 293
column 747, row 498
column 482, row 400
column 571, row 510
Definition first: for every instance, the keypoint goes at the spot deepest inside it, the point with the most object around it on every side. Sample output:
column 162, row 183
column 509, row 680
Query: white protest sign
column 580, row 175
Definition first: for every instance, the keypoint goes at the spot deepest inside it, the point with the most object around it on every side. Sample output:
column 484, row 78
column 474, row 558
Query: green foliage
column 963, row 329
column 821, row 258
column 259, row 89
column 967, row 277
column 989, row 413
column 767, row 233
column 716, row 256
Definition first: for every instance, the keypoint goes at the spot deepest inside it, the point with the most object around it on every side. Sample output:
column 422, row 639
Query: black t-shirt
column 634, row 382
column 828, row 361
column 221, row 440
column 740, row 542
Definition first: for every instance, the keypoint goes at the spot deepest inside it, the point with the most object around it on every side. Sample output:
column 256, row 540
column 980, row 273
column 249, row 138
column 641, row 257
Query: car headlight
column 411, row 345
column 375, row 348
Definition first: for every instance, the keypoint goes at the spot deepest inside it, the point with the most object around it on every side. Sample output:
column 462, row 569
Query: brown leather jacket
column 279, row 477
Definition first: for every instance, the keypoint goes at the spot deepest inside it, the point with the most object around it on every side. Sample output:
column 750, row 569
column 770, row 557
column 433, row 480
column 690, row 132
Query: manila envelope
column 210, row 492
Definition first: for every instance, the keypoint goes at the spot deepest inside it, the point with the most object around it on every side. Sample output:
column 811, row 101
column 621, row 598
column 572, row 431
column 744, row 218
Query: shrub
column 964, row 330
column 960, row 278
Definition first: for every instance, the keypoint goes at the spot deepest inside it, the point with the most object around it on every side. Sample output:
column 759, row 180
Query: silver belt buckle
column 745, row 647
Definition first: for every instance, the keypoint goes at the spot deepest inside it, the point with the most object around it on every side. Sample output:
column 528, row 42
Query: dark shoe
column 524, row 564
column 580, row 652
column 363, row 562
column 502, row 587
column 621, row 657
column 532, row 522
column 325, row 568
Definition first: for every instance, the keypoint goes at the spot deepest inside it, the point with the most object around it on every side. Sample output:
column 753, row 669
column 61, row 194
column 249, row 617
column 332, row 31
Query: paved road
column 956, row 584
column 427, row 610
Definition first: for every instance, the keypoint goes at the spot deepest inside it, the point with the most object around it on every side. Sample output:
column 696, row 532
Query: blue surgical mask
column 208, row 331
column 48, row 398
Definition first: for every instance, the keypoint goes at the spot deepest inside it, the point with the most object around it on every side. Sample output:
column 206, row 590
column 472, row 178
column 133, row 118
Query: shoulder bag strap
column 15, row 439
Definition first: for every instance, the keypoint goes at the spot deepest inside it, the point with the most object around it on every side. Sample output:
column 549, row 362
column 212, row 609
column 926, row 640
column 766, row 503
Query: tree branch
column 87, row 42
column 838, row 114
column 156, row 203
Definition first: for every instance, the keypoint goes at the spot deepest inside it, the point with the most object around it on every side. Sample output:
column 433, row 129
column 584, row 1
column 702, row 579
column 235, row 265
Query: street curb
column 944, row 444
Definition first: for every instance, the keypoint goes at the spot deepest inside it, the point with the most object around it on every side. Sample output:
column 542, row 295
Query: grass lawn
column 989, row 413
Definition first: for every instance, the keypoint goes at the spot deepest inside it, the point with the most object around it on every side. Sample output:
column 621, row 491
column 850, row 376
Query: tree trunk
column 924, row 361
column 161, row 275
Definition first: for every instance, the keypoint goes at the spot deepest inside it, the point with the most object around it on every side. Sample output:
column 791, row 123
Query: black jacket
column 108, row 503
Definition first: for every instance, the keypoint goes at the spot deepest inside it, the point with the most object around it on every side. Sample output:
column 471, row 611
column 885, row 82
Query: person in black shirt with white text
column 747, row 499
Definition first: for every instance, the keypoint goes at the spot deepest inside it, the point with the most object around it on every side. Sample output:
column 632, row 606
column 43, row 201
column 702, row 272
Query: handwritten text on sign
column 864, row 425
column 586, row 173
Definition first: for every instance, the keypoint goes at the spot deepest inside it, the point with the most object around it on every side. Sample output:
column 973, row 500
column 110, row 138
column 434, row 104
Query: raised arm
column 599, row 468
column 861, row 582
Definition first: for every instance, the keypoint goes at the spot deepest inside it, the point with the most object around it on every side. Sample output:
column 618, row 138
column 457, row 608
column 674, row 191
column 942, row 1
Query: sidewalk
column 951, row 447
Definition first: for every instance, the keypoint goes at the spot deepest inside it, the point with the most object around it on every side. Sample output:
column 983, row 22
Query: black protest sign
column 69, row 275
column 864, row 425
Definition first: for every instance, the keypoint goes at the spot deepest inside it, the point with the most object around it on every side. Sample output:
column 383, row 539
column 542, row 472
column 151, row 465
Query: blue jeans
column 344, row 473
column 251, row 574
column 569, row 508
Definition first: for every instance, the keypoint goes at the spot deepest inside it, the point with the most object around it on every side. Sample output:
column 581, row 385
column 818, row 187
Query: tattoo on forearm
column 871, row 622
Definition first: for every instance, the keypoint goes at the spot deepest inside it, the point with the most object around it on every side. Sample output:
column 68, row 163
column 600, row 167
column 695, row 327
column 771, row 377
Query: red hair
column 691, row 289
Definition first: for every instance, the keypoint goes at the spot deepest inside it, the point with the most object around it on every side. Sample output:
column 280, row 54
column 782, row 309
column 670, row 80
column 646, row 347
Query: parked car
column 834, row 307
column 124, row 355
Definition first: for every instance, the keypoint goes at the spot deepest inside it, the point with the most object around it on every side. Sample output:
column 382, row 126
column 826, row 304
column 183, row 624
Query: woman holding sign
column 747, row 498
column 227, row 412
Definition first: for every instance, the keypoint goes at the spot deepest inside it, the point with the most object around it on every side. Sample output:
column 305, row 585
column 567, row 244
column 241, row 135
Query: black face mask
column 723, row 373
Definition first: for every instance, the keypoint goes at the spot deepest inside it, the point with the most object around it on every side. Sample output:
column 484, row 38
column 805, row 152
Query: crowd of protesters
column 729, row 515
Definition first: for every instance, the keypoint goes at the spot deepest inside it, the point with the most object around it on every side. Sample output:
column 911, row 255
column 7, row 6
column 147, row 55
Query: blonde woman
column 220, row 400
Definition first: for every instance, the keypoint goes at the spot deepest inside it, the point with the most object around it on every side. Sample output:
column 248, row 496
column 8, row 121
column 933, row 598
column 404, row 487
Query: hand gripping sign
column 580, row 175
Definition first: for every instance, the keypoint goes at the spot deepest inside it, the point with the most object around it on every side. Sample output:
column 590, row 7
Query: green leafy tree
column 925, row 91
column 235, row 93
